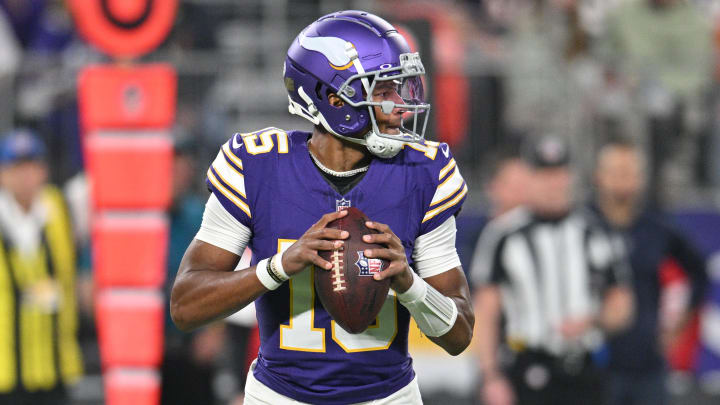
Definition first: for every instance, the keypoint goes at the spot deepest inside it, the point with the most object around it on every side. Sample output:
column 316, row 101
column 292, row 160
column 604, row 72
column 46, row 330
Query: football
column 348, row 291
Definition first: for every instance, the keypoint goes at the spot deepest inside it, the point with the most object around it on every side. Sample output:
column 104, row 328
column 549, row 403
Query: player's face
column 620, row 174
column 387, row 90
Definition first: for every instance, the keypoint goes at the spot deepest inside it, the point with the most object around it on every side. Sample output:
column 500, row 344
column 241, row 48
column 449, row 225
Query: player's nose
column 395, row 98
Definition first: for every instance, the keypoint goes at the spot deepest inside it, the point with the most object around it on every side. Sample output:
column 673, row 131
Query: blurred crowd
column 593, row 70
column 630, row 86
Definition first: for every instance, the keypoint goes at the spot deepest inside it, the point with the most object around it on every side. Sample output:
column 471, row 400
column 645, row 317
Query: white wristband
column 262, row 274
column 277, row 265
column 434, row 313
column 417, row 290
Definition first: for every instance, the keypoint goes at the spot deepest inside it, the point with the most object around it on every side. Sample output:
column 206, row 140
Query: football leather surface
column 348, row 291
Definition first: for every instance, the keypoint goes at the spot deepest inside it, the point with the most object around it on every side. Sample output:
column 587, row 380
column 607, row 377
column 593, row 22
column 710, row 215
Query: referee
column 558, row 279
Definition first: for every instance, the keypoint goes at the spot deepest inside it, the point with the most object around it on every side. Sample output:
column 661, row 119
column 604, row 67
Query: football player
column 354, row 77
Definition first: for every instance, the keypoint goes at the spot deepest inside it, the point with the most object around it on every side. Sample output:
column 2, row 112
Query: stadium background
column 228, row 56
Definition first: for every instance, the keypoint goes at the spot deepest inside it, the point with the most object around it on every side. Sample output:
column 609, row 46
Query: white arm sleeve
column 435, row 251
column 221, row 229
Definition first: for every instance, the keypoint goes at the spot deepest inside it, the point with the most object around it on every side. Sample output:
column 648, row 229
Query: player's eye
column 385, row 93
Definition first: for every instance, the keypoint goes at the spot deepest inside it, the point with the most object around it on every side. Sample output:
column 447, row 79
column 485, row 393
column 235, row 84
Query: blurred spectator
column 39, row 352
column 662, row 51
column 637, row 365
column 550, row 75
column 44, row 92
column 9, row 62
column 40, row 25
column 509, row 182
column 190, row 361
column 555, row 276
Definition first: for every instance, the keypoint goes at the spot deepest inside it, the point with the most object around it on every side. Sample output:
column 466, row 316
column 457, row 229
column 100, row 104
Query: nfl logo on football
column 368, row 266
column 342, row 204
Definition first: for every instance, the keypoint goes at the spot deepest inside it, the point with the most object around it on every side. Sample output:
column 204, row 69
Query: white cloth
column 221, row 229
column 434, row 252
column 434, row 313
column 23, row 228
column 257, row 393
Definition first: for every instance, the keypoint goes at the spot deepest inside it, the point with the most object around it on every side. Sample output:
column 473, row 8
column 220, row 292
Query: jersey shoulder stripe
column 230, row 156
column 237, row 173
column 222, row 188
column 445, row 170
column 229, row 174
column 226, row 178
column 446, row 185
column 455, row 201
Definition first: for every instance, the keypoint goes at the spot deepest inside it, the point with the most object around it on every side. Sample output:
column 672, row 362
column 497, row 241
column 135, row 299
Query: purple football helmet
column 348, row 53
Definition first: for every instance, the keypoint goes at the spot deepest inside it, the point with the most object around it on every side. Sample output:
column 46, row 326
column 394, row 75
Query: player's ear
column 335, row 100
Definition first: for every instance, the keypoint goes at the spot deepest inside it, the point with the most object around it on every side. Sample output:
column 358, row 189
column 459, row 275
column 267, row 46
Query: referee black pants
column 539, row 378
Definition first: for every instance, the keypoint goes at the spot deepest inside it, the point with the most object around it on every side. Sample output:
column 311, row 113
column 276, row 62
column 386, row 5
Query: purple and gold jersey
column 268, row 181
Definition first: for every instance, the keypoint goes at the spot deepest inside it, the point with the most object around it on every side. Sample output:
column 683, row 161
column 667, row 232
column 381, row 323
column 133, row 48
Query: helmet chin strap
column 381, row 147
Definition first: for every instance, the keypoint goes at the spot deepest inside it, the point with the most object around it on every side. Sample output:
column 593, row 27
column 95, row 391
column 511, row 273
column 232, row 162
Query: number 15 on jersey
column 300, row 333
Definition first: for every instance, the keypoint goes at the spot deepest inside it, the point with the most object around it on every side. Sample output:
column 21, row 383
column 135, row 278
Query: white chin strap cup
column 382, row 147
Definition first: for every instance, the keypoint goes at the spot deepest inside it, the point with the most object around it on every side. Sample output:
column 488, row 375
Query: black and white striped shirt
column 548, row 271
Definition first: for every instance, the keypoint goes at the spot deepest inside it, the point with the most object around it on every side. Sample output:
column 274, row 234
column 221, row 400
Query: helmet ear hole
column 335, row 100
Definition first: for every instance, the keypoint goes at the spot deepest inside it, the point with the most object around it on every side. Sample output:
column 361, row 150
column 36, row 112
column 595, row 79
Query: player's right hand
column 304, row 252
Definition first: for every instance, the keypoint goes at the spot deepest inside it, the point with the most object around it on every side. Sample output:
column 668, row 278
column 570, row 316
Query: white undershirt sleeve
column 221, row 229
column 435, row 251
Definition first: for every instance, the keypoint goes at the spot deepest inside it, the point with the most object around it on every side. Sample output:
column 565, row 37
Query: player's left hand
column 398, row 271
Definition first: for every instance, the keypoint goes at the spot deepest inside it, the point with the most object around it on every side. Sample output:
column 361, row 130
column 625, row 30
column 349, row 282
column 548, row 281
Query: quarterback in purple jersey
column 354, row 77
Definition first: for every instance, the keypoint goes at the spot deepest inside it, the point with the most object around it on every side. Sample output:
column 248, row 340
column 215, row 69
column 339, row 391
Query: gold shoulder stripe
column 230, row 155
column 224, row 178
column 228, row 194
column 446, row 169
column 229, row 175
column 432, row 213
column 450, row 194
column 448, row 187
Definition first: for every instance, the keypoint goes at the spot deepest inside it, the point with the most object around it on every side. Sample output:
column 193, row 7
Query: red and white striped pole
column 127, row 111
